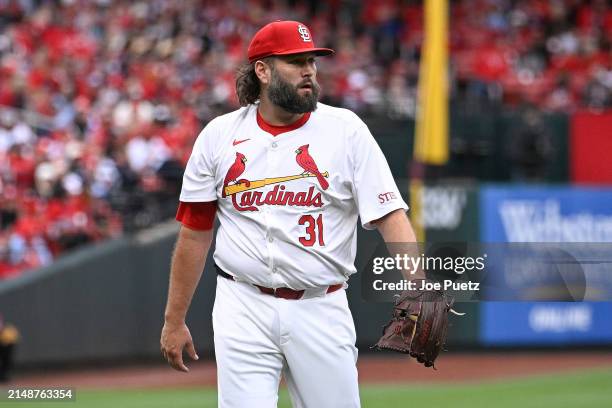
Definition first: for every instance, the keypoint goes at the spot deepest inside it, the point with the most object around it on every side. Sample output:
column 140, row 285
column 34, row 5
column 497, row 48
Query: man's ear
column 263, row 71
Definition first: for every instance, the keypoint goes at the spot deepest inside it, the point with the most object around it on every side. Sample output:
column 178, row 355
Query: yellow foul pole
column 431, row 132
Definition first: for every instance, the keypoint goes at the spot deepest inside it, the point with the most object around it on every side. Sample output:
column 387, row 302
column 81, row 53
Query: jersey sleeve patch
column 376, row 192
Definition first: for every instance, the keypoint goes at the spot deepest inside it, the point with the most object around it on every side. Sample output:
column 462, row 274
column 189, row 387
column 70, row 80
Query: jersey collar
column 277, row 130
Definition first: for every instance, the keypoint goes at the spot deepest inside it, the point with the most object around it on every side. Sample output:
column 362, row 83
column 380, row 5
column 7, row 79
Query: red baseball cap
column 283, row 38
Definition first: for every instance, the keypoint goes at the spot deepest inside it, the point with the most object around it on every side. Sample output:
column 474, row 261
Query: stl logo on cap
column 304, row 33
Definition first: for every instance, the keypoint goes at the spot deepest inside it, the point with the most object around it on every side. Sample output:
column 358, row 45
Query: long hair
column 248, row 86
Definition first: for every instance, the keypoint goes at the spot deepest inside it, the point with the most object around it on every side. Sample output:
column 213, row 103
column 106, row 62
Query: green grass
column 590, row 389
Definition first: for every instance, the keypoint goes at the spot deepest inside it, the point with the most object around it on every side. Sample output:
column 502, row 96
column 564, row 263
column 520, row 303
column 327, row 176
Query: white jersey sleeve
column 199, row 182
column 376, row 193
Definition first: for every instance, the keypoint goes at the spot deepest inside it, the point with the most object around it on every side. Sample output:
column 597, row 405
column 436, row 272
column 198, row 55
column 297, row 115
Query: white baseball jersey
column 288, row 204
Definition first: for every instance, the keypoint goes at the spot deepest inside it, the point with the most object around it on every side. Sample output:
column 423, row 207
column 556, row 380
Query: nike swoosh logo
column 237, row 142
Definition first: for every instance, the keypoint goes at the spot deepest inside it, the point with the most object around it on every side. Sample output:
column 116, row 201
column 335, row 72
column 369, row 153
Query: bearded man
column 287, row 178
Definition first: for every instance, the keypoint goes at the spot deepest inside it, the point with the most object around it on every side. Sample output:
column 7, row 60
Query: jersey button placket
column 271, row 167
column 271, row 248
column 269, row 240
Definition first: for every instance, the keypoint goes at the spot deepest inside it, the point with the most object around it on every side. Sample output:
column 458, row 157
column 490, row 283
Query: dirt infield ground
column 385, row 368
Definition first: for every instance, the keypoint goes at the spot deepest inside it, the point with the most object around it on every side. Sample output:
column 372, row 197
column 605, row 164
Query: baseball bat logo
column 249, row 199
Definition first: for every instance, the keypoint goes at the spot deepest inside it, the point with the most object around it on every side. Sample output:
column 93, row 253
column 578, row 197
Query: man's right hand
column 175, row 337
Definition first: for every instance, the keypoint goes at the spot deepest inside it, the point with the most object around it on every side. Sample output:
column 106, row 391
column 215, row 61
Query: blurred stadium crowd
column 100, row 100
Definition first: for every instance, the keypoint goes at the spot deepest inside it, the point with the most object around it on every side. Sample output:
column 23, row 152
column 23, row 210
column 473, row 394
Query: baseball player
column 287, row 177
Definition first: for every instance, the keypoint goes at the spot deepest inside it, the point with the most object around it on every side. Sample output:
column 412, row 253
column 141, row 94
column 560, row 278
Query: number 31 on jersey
column 314, row 230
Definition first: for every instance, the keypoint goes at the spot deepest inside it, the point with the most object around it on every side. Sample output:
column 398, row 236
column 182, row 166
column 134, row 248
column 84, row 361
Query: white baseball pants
column 258, row 337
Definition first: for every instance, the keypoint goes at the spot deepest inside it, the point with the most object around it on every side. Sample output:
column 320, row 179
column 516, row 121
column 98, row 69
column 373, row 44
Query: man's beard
column 285, row 95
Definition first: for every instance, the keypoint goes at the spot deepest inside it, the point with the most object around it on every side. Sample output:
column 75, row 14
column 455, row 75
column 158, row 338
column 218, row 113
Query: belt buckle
column 287, row 293
column 277, row 293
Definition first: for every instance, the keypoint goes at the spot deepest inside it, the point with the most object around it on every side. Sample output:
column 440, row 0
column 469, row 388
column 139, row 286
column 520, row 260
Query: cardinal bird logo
column 236, row 171
column 306, row 162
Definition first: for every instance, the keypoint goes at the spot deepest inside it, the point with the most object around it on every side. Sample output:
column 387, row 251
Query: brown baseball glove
column 419, row 325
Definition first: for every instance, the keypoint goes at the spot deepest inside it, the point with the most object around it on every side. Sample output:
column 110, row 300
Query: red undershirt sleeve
column 197, row 215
